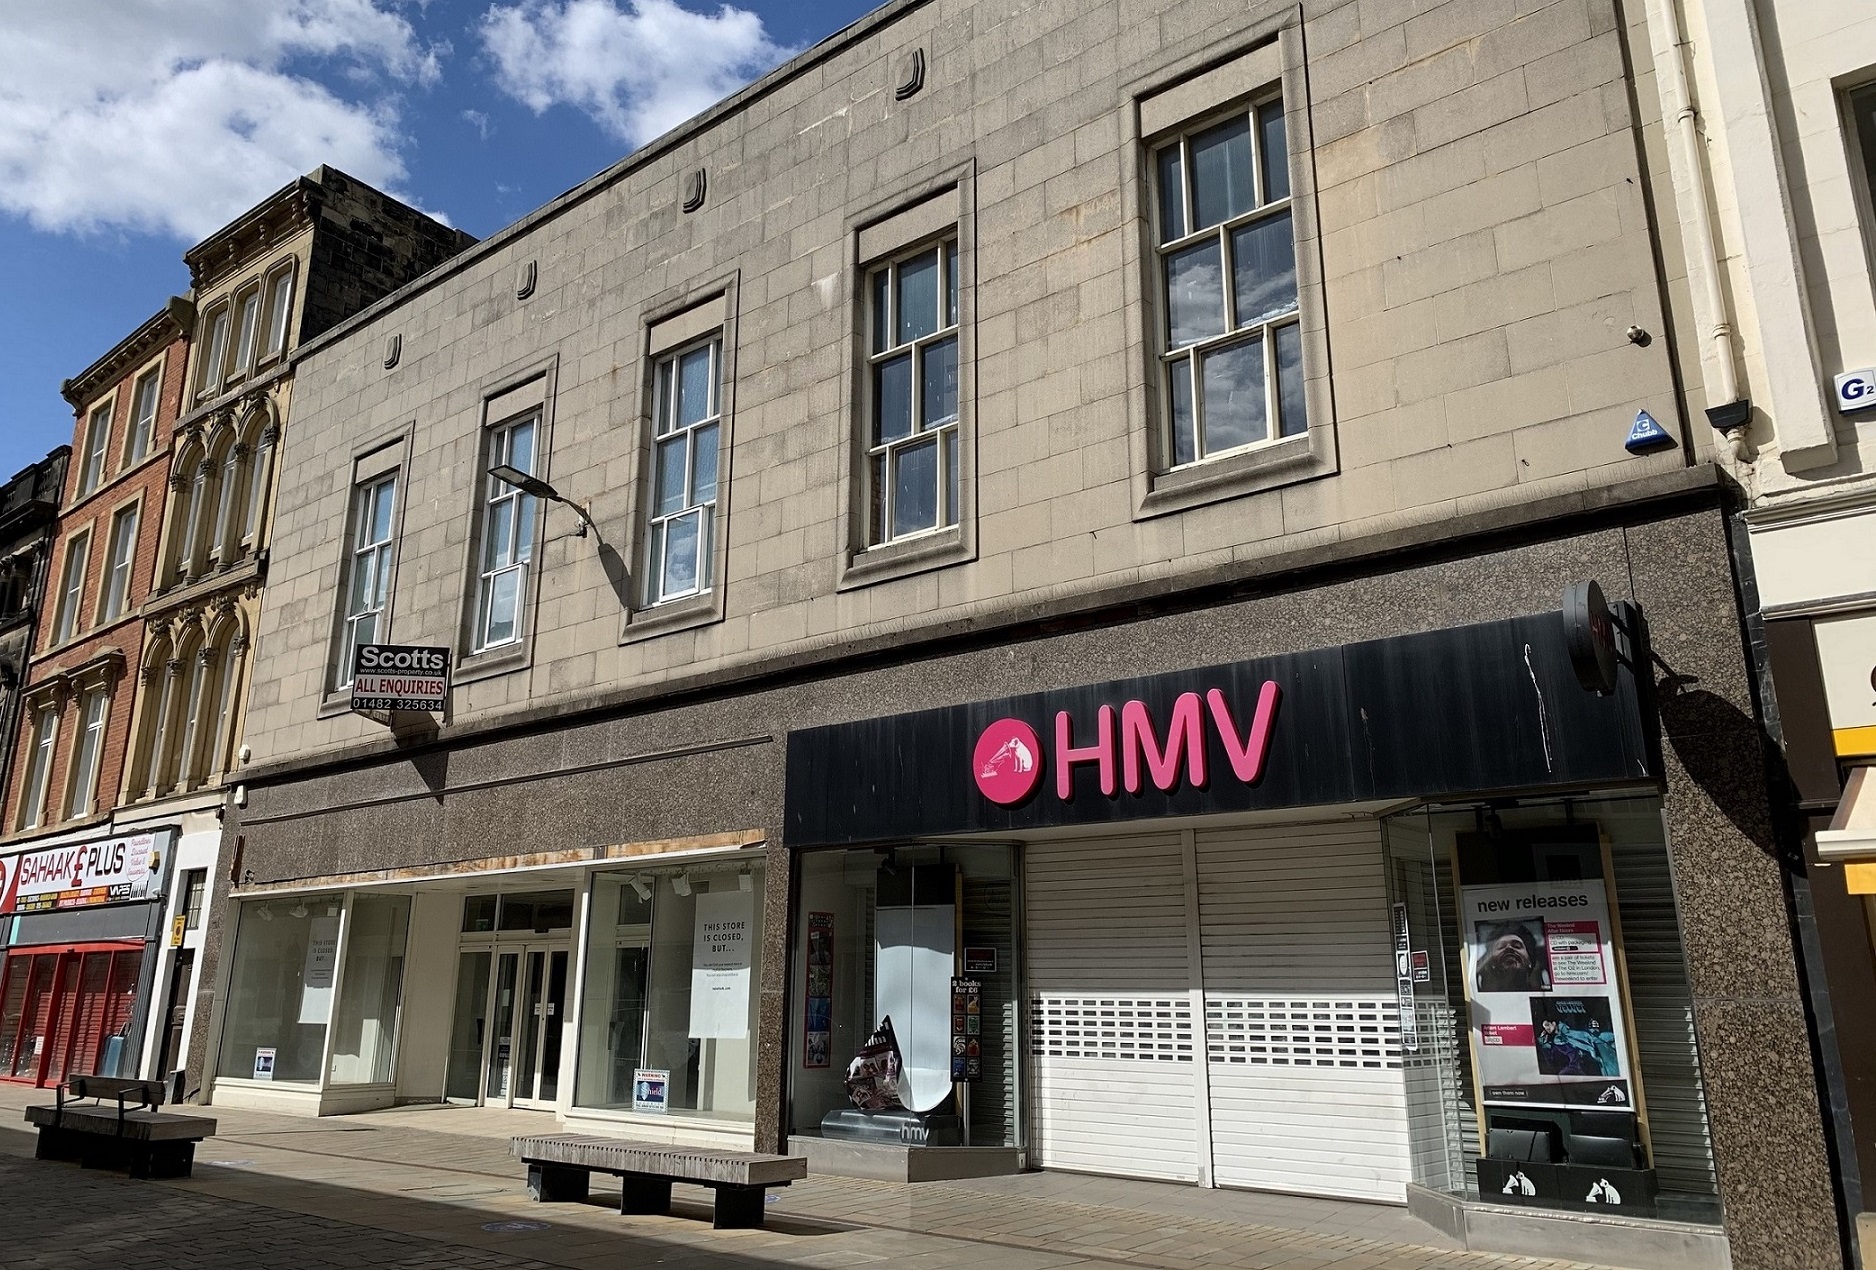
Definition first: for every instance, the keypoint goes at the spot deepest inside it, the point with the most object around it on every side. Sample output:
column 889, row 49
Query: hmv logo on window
column 1128, row 748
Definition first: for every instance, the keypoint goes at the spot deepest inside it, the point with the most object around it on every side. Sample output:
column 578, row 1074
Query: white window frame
column 140, row 434
column 97, row 445
column 72, row 570
column 214, row 349
column 516, row 551
column 36, row 788
column 244, row 346
column 669, row 432
column 277, row 313
column 372, row 557
column 1183, row 364
column 94, row 716
column 882, row 455
column 120, row 564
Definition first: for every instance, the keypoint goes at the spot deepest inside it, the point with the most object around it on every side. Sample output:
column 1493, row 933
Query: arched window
column 153, row 682
column 185, row 488
column 259, row 433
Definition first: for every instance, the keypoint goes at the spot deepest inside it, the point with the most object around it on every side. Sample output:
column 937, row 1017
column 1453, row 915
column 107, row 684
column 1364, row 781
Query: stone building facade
column 29, row 507
column 974, row 363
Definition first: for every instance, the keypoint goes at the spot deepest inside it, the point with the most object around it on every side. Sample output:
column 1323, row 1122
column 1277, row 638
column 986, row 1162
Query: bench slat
column 140, row 1126
column 686, row 1163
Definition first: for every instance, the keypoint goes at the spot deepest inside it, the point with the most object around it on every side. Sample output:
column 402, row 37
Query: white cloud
column 639, row 70
column 174, row 116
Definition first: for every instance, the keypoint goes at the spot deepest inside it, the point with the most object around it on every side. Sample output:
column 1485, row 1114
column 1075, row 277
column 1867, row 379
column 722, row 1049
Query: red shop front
column 65, row 1009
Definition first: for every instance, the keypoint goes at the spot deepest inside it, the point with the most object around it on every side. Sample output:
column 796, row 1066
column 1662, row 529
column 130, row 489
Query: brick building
column 135, row 697
column 947, row 418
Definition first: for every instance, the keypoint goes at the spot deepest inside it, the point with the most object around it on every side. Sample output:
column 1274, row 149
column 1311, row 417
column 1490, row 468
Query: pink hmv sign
column 81, row 875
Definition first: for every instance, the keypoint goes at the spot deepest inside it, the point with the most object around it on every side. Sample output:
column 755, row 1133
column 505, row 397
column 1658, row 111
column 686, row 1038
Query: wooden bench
column 561, row 1165
column 132, row 1135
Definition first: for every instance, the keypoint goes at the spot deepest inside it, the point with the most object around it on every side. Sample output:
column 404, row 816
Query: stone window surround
column 505, row 396
column 111, row 518
column 386, row 454
column 1203, row 85
column 68, row 617
column 101, row 414
column 918, row 212
column 681, row 316
column 64, row 694
column 230, row 376
column 156, row 368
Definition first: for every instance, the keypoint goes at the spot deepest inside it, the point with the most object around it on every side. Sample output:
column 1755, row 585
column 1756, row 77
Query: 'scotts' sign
column 400, row 677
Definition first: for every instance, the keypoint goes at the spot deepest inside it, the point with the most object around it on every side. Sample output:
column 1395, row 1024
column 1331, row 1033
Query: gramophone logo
column 1007, row 762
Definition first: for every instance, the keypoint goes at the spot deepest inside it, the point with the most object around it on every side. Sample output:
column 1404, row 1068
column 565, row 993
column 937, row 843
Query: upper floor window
column 686, row 435
column 41, row 741
column 912, row 373
column 71, row 588
column 368, row 569
column 118, row 565
column 97, row 442
column 1233, row 350
column 143, row 405
column 279, row 311
column 247, row 330
column 214, row 352
column 92, row 714
column 507, row 536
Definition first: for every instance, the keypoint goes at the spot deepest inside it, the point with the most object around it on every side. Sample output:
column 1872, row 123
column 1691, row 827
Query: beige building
column 1087, row 369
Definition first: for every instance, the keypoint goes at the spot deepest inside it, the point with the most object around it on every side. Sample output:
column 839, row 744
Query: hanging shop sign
column 1548, row 1028
column 82, row 875
column 720, row 959
column 1499, row 706
column 400, row 677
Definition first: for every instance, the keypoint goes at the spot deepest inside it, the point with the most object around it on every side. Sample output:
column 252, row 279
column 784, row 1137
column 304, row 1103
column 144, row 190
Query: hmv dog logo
column 1127, row 747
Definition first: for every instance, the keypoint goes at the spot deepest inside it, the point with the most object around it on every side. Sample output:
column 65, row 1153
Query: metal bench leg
column 644, row 1194
column 557, row 1183
column 738, row 1208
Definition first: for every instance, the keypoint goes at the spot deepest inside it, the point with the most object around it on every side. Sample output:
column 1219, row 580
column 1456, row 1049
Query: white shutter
column 1111, row 1031
column 1301, row 1024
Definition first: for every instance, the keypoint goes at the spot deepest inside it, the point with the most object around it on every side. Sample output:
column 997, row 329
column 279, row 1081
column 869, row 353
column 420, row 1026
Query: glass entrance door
column 526, row 1006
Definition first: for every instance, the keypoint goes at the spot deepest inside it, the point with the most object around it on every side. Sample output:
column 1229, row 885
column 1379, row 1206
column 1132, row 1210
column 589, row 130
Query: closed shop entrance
column 64, row 1010
column 1217, row 1006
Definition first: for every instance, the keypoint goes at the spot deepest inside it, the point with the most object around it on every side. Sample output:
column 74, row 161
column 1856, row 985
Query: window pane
column 703, row 477
column 680, row 555
column 1184, row 436
column 918, row 298
column 277, row 316
column 363, row 583
column 1233, row 387
column 938, row 369
column 654, row 553
column 669, row 496
column 694, row 386
column 882, row 313
column 1221, row 173
column 1172, row 201
column 365, row 630
column 1195, row 294
column 373, row 989
column 876, row 512
column 521, row 447
column 524, row 527
column 504, row 595
column 248, row 331
column 1276, row 151
column 892, row 399
column 951, row 284
column 1264, row 258
column 951, row 476
column 666, row 411
column 381, row 500
column 498, row 547
column 915, row 488
column 1290, row 409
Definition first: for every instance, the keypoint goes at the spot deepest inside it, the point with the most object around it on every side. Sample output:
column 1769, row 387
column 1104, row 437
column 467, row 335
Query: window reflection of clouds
column 1234, row 396
column 1195, row 284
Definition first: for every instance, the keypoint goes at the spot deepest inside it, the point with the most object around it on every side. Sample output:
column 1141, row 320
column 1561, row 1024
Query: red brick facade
column 100, row 654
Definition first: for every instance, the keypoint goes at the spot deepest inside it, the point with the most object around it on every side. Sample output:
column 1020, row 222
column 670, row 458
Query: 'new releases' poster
column 1540, row 975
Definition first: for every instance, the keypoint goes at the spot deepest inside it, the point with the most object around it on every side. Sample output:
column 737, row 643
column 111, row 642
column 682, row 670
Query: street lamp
column 537, row 488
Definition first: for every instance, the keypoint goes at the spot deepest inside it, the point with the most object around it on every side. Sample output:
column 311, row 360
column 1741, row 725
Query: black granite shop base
column 1567, row 1186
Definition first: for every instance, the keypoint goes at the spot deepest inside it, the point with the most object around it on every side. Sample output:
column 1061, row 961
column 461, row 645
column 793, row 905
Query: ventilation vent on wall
column 911, row 75
column 695, row 190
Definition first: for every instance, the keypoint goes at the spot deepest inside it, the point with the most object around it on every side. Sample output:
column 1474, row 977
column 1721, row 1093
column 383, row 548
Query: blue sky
column 130, row 129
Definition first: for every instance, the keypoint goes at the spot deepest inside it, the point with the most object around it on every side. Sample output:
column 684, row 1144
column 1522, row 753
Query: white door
column 1111, row 1023
column 1301, row 1027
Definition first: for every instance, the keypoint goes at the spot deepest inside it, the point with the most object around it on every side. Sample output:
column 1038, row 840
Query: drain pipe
column 1731, row 416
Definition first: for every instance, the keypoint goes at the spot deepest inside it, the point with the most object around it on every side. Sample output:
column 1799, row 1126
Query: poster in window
column 818, row 1032
column 322, row 959
column 651, row 1089
column 719, row 966
column 1547, row 1019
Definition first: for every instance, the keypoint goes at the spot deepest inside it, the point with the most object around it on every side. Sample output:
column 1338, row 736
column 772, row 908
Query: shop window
column 539, row 911
column 1546, row 1019
column 364, row 1036
column 194, row 891
column 668, row 1016
column 281, row 989
column 478, row 914
column 882, row 934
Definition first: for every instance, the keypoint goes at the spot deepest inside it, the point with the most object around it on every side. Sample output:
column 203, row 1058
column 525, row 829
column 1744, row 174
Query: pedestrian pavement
column 434, row 1188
